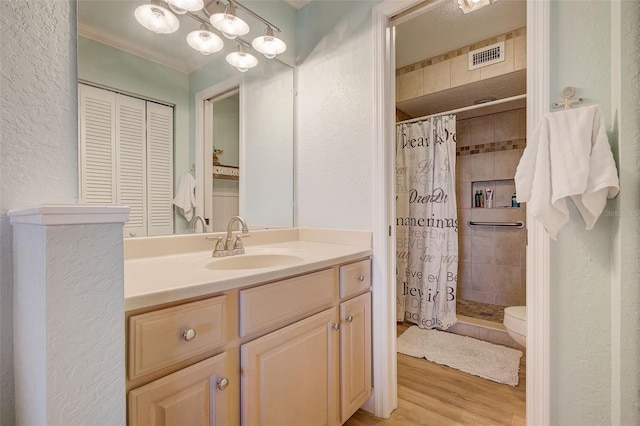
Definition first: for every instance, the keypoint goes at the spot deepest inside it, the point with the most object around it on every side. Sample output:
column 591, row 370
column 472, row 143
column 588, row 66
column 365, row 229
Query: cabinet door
column 196, row 395
column 355, row 354
column 290, row 376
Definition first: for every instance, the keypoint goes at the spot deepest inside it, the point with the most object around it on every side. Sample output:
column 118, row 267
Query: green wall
column 594, row 274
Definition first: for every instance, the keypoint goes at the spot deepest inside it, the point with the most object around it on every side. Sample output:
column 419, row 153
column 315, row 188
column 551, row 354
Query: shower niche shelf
column 502, row 189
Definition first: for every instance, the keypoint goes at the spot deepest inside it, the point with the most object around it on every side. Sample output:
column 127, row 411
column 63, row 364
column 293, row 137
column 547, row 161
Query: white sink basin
column 253, row 261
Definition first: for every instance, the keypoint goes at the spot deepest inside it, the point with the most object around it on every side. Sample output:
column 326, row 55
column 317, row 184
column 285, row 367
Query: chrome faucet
column 235, row 247
column 229, row 247
column 195, row 220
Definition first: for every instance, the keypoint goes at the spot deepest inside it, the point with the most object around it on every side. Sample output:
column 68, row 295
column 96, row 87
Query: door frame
column 537, row 257
column 203, row 163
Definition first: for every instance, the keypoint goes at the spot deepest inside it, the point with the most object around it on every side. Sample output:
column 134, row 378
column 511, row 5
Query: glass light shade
column 269, row 45
column 205, row 41
column 157, row 19
column 176, row 9
column 242, row 60
column 228, row 23
column 468, row 6
column 185, row 5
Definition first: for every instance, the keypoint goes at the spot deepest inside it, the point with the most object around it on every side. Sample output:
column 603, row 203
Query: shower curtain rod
column 469, row 108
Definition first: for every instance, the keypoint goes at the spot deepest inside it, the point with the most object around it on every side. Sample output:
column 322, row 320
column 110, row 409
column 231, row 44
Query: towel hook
column 567, row 95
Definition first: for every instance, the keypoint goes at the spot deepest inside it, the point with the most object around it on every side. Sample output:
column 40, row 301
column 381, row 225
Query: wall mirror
column 120, row 56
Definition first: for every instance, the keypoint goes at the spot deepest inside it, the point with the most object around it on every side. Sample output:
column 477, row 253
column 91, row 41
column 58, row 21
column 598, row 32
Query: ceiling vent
column 486, row 56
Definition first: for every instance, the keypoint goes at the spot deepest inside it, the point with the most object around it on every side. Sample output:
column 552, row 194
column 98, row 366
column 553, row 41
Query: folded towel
column 568, row 156
column 185, row 198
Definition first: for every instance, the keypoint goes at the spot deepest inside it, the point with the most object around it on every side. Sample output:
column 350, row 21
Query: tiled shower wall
column 492, row 259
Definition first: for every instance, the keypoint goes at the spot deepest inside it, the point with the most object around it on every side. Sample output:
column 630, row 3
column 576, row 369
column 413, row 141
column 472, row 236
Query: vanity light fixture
column 204, row 41
column 241, row 59
column 183, row 6
column 155, row 17
column 468, row 6
column 268, row 44
column 228, row 23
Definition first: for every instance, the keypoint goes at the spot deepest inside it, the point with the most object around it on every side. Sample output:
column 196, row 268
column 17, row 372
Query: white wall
column 594, row 274
column 581, row 260
column 625, row 291
column 334, row 131
column 38, row 135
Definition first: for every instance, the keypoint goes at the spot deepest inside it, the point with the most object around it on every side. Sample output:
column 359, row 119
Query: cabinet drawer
column 160, row 338
column 355, row 278
column 272, row 304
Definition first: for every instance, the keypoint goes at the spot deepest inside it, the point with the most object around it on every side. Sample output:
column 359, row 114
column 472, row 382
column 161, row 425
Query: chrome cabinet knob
column 223, row 383
column 335, row 326
column 349, row 318
column 360, row 277
column 189, row 334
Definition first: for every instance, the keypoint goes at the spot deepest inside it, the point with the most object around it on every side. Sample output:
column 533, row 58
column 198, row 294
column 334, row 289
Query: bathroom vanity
column 287, row 344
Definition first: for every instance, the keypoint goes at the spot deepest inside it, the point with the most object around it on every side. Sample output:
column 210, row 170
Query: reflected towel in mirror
column 185, row 199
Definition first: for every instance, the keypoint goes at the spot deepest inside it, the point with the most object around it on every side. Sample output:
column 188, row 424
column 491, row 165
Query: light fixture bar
column 255, row 15
column 211, row 28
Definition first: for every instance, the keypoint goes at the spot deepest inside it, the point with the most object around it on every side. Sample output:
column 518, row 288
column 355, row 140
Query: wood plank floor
column 434, row 395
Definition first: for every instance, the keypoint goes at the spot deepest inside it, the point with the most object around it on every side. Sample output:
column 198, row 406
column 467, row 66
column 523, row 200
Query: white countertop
column 168, row 276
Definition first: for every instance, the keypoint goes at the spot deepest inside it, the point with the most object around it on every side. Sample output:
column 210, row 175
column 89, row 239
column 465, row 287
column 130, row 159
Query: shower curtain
column 426, row 222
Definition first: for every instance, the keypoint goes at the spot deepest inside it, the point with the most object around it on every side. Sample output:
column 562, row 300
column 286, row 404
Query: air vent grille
column 486, row 56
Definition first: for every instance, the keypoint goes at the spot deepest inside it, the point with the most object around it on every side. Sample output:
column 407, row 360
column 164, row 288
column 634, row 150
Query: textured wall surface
column 30, row 311
column 581, row 260
column 334, row 146
column 38, row 151
column 69, row 327
column 85, row 339
column 625, row 290
column 594, row 276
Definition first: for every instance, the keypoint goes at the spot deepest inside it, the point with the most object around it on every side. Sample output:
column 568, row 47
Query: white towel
column 568, row 156
column 185, row 198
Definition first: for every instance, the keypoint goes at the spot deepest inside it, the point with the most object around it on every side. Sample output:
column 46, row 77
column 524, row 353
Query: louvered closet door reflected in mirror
column 126, row 157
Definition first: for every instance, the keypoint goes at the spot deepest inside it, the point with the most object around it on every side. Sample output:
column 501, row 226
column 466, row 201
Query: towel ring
column 567, row 95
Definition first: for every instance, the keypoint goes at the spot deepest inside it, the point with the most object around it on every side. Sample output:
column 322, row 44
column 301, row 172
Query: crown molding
column 114, row 41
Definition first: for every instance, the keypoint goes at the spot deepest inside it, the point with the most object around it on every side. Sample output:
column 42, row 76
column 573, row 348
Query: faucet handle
column 238, row 247
column 218, row 250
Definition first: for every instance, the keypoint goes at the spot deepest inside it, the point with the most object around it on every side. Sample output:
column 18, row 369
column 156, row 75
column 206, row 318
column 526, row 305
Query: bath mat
column 473, row 356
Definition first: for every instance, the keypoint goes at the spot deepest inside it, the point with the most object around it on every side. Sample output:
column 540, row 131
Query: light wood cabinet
column 196, row 395
column 161, row 338
column 316, row 371
column 295, row 352
column 355, row 354
column 290, row 377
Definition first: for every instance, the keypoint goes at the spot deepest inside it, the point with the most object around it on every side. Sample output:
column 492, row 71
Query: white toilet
column 515, row 320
